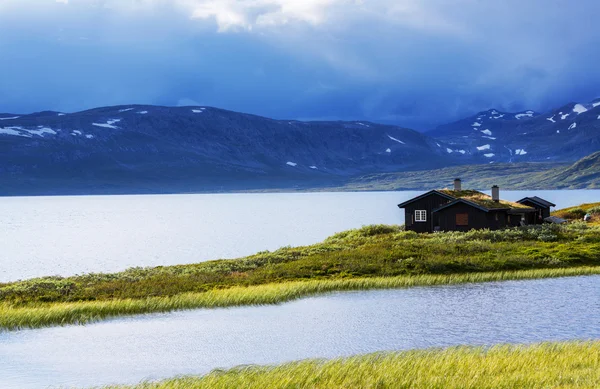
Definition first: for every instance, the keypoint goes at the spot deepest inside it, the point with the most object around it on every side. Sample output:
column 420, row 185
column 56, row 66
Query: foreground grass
column 548, row 365
column 41, row 315
column 368, row 258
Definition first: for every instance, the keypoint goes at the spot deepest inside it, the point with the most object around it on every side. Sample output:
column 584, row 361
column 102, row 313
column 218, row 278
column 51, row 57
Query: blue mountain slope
column 197, row 148
column 564, row 134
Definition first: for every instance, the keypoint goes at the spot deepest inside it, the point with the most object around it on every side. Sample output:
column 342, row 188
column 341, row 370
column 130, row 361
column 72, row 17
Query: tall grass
column 46, row 314
column 547, row 365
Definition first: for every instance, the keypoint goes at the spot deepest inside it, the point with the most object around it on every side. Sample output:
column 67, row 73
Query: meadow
column 371, row 257
column 547, row 365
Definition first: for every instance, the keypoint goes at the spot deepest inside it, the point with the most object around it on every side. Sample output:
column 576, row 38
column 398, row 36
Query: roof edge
column 402, row 205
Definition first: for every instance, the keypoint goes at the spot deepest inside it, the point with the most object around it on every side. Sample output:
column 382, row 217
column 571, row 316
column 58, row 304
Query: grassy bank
column 558, row 365
column 41, row 315
column 371, row 257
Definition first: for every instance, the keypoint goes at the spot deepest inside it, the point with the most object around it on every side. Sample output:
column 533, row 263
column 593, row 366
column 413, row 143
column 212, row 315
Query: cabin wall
column 429, row 203
column 478, row 219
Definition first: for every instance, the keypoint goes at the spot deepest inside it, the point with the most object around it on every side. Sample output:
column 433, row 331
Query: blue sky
column 416, row 63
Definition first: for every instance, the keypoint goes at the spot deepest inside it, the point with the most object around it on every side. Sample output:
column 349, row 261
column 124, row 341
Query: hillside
column 563, row 134
column 163, row 149
column 583, row 174
column 153, row 149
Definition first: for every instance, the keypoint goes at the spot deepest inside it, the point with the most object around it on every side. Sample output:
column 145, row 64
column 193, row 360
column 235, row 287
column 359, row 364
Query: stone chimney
column 496, row 193
column 457, row 184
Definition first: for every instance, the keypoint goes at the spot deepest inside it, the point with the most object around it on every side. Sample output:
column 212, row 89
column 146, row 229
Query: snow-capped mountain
column 196, row 148
column 564, row 134
column 164, row 149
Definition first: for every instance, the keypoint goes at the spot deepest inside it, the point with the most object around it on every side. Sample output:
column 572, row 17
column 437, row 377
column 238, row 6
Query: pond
column 132, row 349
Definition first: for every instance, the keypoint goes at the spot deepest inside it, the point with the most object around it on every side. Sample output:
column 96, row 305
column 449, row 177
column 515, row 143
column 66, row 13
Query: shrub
column 575, row 213
column 594, row 210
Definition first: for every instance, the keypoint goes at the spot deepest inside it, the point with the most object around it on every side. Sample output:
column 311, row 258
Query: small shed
column 541, row 206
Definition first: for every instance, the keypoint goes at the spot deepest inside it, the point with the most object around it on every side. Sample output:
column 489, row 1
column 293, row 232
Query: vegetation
column 547, row 365
column 482, row 199
column 583, row 174
column 578, row 212
column 370, row 257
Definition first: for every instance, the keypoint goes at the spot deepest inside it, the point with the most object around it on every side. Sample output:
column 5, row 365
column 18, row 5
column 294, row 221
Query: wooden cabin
column 463, row 210
column 541, row 206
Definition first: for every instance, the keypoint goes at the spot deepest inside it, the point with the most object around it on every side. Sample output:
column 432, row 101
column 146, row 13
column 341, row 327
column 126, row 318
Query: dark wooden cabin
column 541, row 206
column 463, row 210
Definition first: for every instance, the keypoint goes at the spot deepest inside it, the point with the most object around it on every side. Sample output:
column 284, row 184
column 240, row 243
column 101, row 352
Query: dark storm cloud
column 415, row 63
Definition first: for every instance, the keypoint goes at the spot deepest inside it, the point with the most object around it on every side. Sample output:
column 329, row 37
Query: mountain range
column 144, row 149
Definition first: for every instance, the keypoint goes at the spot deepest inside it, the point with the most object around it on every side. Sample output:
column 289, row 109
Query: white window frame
column 420, row 216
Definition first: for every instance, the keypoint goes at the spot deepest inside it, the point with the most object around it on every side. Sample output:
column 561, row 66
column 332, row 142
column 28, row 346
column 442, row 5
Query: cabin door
column 435, row 221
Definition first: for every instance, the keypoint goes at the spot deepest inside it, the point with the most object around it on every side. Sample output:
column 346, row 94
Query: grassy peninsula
column 547, row 365
column 367, row 258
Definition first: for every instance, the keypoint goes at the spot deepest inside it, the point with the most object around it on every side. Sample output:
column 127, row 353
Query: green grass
column 367, row 258
column 547, row 365
column 40, row 315
column 579, row 211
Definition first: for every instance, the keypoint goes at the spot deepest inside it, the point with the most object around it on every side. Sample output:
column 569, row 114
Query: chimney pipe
column 496, row 193
column 457, row 184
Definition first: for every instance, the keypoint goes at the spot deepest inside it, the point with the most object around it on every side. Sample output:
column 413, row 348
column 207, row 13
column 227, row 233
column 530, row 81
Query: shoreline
column 80, row 313
column 551, row 364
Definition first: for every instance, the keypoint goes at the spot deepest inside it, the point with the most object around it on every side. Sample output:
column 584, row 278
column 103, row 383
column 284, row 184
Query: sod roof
column 482, row 199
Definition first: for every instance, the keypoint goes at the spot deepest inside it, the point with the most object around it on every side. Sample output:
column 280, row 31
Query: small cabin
column 463, row 210
column 541, row 206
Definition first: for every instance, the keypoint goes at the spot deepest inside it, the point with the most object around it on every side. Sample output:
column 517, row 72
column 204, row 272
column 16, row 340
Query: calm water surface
column 71, row 235
column 195, row 342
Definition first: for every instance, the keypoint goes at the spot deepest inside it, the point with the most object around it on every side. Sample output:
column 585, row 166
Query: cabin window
column 420, row 216
column 462, row 219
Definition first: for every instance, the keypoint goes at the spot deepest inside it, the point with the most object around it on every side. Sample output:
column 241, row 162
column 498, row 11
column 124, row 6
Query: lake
column 156, row 346
column 43, row 236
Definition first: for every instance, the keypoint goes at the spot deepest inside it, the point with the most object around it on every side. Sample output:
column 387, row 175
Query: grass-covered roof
column 482, row 199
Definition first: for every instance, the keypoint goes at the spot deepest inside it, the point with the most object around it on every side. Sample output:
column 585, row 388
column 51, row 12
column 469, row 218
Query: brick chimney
column 457, row 184
column 496, row 193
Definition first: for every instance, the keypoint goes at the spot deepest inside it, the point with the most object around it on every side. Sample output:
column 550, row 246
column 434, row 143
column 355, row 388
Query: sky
column 415, row 63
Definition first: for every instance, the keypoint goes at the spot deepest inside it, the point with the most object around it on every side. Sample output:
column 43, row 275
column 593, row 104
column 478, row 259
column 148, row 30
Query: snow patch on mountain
column 551, row 119
column 40, row 131
column 484, row 147
column 396, row 140
column 564, row 116
column 10, row 118
column 108, row 124
column 200, row 110
column 476, row 124
column 450, row 151
column 524, row 114
column 143, row 112
column 579, row 109
column 14, row 131
column 572, row 126
column 520, row 152
column 487, row 132
column 126, row 109
column 388, row 150
column 89, row 136
column 489, row 137
column 490, row 155
column 293, row 164
column 313, row 167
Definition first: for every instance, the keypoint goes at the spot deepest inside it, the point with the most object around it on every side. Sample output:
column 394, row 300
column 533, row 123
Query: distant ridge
column 155, row 149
